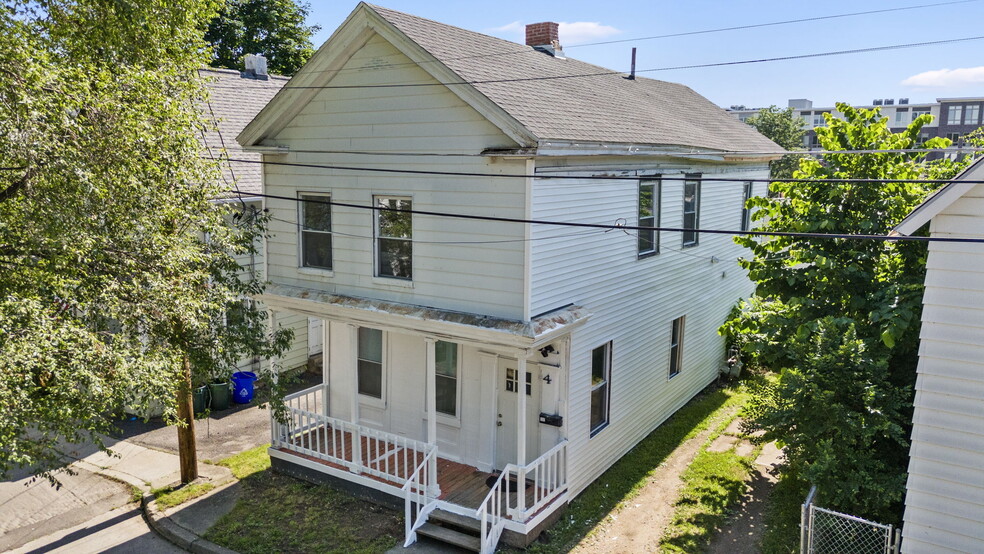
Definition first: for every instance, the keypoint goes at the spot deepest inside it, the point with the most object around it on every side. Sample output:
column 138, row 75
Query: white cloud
column 939, row 78
column 570, row 33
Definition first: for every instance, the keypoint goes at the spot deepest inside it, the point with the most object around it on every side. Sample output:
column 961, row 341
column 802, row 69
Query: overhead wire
column 698, row 231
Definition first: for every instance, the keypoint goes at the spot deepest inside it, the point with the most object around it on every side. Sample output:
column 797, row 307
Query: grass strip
column 782, row 515
column 248, row 462
column 625, row 479
column 169, row 497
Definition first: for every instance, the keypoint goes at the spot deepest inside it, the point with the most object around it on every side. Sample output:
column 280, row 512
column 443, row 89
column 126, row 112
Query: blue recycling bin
column 242, row 386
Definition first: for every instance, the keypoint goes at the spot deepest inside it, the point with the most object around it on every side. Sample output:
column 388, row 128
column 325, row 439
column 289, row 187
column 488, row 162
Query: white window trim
column 372, row 401
column 389, row 279
column 657, row 185
column 442, row 417
column 748, row 191
column 695, row 178
column 329, row 271
column 678, row 346
column 609, row 346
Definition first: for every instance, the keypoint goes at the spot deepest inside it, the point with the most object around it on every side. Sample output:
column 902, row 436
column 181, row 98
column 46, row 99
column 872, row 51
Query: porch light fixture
column 546, row 350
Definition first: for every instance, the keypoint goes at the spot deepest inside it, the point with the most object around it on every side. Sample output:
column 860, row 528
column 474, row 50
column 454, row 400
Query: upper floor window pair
column 392, row 234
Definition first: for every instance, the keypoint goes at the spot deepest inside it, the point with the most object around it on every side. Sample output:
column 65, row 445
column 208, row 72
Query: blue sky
column 921, row 74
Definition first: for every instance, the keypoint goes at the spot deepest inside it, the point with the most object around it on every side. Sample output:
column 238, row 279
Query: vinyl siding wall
column 634, row 301
column 449, row 270
column 945, row 499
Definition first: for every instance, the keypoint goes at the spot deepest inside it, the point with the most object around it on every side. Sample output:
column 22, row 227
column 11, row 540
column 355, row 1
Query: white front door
column 508, row 387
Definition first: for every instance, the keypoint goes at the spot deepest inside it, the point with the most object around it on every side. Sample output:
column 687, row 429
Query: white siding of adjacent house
column 634, row 301
column 945, row 499
column 448, row 271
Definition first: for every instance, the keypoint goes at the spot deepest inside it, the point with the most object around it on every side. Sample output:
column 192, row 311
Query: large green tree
column 116, row 264
column 784, row 128
column 840, row 317
column 273, row 28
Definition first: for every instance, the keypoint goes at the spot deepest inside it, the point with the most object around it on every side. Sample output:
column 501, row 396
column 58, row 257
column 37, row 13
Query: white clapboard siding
column 945, row 497
column 634, row 301
column 458, row 264
column 297, row 355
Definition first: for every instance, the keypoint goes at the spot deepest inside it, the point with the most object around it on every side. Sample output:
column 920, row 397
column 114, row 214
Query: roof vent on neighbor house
column 545, row 37
column 256, row 67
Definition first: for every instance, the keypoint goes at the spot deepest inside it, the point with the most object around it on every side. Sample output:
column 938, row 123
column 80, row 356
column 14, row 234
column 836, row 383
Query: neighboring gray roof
column 235, row 101
column 608, row 108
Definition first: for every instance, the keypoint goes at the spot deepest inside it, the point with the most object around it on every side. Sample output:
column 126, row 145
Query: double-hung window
column 601, row 374
column 649, row 197
column 676, row 346
column 394, row 237
column 901, row 115
column 446, row 359
column 315, row 231
column 972, row 115
column 746, row 212
column 371, row 362
column 691, row 209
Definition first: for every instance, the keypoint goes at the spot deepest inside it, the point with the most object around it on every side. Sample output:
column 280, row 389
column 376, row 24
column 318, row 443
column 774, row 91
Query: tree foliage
column 273, row 28
column 785, row 129
column 840, row 318
column 107, row 281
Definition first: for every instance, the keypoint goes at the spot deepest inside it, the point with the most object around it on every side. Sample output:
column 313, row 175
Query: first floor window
column 901, row 115
column 649, row 192
column 371, row 362
column 446, row 360
column 691, row 209
column 315, row 231
column 676, row 346
column 746, row 212
column 394, row 237
column 601, row 372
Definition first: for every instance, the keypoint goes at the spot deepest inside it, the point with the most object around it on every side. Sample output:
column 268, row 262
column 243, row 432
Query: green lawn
column 782, row 516
column 276, row 513
column 624, row 480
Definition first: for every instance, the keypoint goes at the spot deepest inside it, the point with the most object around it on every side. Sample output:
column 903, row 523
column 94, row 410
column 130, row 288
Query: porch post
column 325, row 369
column 274, row 426
column 521, row 435
column 430, row 398
column 354, row 365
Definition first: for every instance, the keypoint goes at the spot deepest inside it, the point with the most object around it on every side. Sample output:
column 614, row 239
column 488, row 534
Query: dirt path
column 743, row 532
column 638, row 526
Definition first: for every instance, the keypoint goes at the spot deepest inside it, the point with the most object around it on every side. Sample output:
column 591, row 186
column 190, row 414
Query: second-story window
column 691, row 209
column 315, row 231
column 649, row 193
column 972, row 115
column 954, row 114
column 394, row 237
column 746, row 212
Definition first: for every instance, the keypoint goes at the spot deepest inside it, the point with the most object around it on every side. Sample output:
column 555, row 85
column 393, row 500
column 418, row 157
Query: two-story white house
column 464, row 356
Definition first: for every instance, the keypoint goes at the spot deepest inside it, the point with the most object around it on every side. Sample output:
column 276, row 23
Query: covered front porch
column 441, row 410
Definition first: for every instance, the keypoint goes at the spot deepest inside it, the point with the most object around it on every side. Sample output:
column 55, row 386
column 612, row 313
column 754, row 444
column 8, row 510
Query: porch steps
column 453, row 529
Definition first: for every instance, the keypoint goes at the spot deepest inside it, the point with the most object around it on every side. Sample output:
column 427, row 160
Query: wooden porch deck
column 461, row 484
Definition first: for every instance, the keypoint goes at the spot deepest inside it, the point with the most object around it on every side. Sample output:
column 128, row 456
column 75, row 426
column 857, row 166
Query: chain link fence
column 825, row 531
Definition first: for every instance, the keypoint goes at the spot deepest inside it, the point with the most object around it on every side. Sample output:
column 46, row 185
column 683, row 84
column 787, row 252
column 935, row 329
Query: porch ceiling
column 423, row 320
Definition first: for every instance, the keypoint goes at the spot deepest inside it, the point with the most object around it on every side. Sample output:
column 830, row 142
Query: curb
column 174, row 533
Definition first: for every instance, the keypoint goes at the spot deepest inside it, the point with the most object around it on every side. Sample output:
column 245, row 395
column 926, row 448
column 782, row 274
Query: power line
column 670, row 68
column 775, row 23
column 595, row 177
column 620, row 227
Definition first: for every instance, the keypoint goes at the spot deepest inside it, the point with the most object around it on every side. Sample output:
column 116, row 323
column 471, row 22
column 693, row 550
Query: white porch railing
column 309, row 431
column 420, row 492
column 490, row 515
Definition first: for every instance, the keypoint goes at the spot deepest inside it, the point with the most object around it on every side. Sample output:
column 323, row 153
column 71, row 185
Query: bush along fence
column 824, row 531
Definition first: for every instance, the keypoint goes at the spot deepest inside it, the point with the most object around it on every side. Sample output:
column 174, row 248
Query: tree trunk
column 187, row 451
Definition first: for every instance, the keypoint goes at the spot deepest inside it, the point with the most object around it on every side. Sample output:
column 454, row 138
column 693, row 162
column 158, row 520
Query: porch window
column 315, row 231
column 691, row 209
column 371, row 362
column 601, row 368
column 649, row 197
column 676, row 346
column 394, row 238
column 746, row 212
column 447, row 377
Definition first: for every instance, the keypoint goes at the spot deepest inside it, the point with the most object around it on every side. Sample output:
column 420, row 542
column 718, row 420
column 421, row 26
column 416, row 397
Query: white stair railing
column 490, row 513
column 421, row 496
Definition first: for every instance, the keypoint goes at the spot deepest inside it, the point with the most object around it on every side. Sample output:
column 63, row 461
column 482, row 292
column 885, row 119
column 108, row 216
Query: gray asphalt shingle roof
column 235, row 101
column 603, row 108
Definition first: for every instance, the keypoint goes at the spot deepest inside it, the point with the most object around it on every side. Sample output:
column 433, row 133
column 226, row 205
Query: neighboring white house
column 461, row 355
column 944, row 503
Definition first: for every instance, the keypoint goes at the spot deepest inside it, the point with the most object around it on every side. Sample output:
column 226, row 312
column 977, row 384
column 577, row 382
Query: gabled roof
column 607, row 108
column 941, row 199
column 234, row 101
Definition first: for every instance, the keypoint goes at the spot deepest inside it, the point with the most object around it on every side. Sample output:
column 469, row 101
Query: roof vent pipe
column 545, row 37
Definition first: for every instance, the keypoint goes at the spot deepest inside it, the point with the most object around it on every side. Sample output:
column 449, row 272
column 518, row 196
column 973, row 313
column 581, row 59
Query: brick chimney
column 545, row 37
